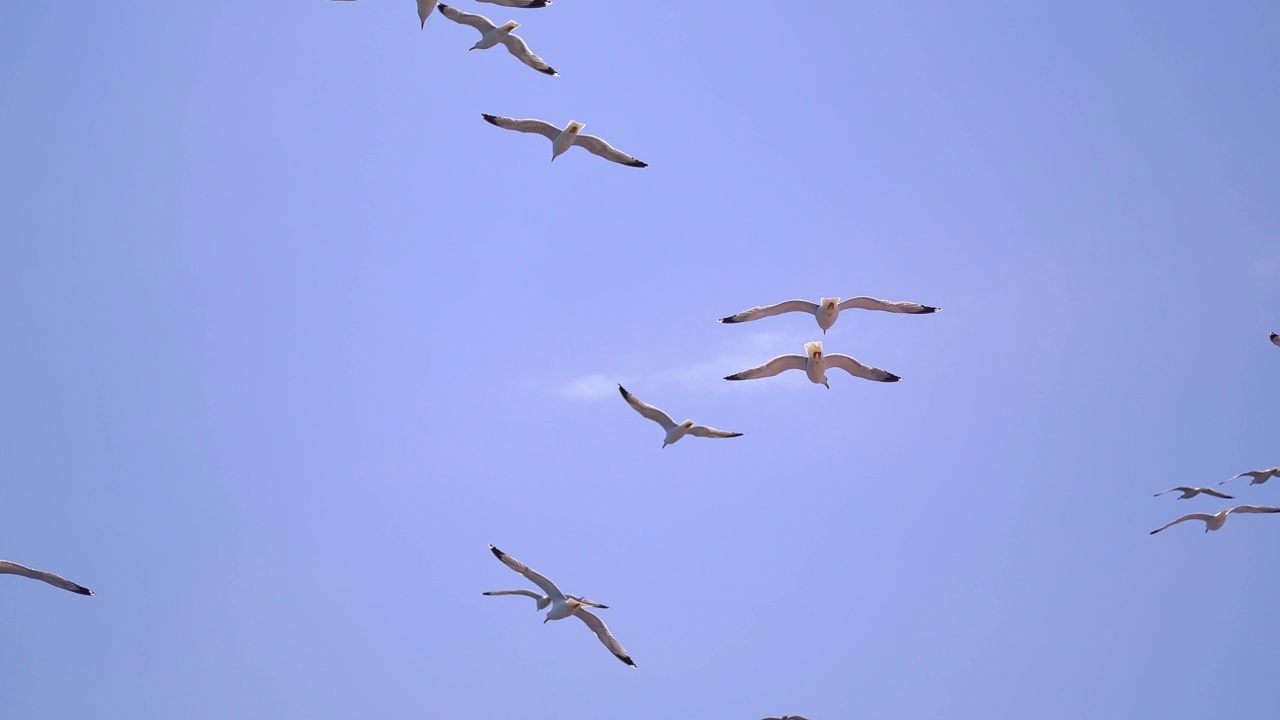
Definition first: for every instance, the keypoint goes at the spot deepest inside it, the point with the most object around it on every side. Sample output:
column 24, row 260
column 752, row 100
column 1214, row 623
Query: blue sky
column 290, row 335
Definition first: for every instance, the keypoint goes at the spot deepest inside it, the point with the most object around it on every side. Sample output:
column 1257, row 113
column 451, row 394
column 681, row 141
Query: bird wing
column 1177, row 489
column 857, row 369
column 648, row 410
column 538, row 127
column 585, row 601
column 518, row 3
column 516, row 45
column 479, row 22
column 1215, row 493
column 1193, row 516
column 782, row 363
column 602, row 631
column 1250, row 474
column 535, row 577
column 526, row 593
column 1275, row 338
column 1254, row 509
column 710, row 432
column 763, row 311
column 595, row 145
column 862, row 302
column 13, row 568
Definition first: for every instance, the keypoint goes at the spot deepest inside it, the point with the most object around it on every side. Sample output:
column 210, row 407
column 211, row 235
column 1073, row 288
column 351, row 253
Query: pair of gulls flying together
column 1216, row 520
column 827, row 310
column 13, row 568
column 674, row 430
column 562, row 140
column 814, row 363
column 562, row 606
column 426, row 6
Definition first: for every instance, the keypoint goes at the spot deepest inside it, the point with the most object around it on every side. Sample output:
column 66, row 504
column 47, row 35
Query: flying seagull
column 13, row 568
column 789, row 717
column 815, row 365
column 518, row 3
column 492, row 35
column 562, row 606
column 1257, row 477
column 1213, row 522
column 562, row 140
column 424, row 9
column 674, row 431
column 1275, row 339
column 1190, row 492
column 827, row 310
column 543, row 600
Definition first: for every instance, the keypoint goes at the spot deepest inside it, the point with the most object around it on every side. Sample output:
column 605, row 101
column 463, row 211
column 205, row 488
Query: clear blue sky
column 288, row 335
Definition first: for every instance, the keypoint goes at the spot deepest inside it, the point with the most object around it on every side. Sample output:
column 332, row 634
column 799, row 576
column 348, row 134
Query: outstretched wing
column 862, row 302
column 1215, row 493
column 1249, row 474
column 763, row 311
column 857, row 369
column 710, row 432
column 595, row 145
column 479, row 22
column 602, row 631
column 1184, row 518
column 526, row 593
column 537, row 127
column 535, row 577
column 516, row 45
column 585, row 601
column 1177, row 489
column 782, row 363
column 13, row 568
column 648, row 410
column 1254, row 509
column 518, row 3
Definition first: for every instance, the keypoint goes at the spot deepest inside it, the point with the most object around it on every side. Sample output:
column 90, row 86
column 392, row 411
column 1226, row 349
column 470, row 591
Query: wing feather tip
column 636, row 164
column 81, row 590
column 891, row 378
column 496, row 552
column 491, row 119
column 729, row 320
column 733, row 376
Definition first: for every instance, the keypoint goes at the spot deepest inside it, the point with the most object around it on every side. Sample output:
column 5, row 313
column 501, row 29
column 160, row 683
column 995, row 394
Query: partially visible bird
column 1275, row 339
column 518, row 3
column 491, row 34
column 827, row 310
column 13, row 568
column 544, row 600
column 674, row 431
column 1190, row 492
column 1215, row 521
column 424, row 9
column 562, row 606
column 814, row 363
column 1257, row 477
column 789, row 717
column 562, row 140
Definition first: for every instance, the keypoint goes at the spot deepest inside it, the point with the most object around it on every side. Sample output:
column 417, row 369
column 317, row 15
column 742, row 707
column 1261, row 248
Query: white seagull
column 562, row 140
column 424, row 9
column 674, row 431
column 1215, row 521
column 827, row 310
column 1257, row 477
column 1190, row 492
column 1275, row 339
column 518, row 3
column 562, row 606
column 13, row 568
column 491, row 35
column 544, row 600
column 815, row 365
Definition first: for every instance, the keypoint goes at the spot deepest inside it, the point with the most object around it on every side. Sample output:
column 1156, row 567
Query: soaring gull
column 562, row 606
column 543, row 600
column 827, row 310
column 13, row 568
column 1257, row 477
column 674, row 431
column 562, row 140
column 814, row 363
column 491, row 35
column 1190, row 492
column 424, row 9
column 1215, row 521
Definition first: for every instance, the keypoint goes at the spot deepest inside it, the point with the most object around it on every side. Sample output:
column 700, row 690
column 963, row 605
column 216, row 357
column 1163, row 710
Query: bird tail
column 813, row 349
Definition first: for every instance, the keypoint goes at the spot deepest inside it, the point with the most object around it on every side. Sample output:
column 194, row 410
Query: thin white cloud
column 1266, row 269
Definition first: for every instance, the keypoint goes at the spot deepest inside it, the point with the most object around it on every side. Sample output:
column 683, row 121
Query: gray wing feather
column 13, row 568
column 648, row 410
column 780, row 364
column 863, row 302
column 602, row 631
column 1254, row 509
column 479, row 22
column 857, row 369
column 518, row 3
column 517, row 46
column 762, row 311
column 597, row 146
column 534, row 577
column 710, row 432
column 1184, row 518
column 537, row 127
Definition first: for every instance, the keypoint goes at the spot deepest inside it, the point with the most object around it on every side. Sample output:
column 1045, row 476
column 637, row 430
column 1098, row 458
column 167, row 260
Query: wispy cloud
column 1266, row 269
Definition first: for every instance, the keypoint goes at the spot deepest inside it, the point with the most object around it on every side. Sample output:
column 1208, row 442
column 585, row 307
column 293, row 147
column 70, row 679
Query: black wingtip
column 737, row 435
column 732, row 377
column 538, row 4
column 927, row 310
column 82, row 590
column 727, row 320
column 623, row 391
column 443, row 6
column 636, row 163
column 891, row 378
column 548, row 71
column 491, row 119
column 496, row 552
column 627, row 660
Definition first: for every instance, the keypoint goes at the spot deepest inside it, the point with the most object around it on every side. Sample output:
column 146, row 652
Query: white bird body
column 1256, row 477
column 1216, row 520
column 1190, row 492
column 814, row 363
column 563, row 606
column 13, row 568
column 827, row 310
column 494, row 36
column 563, row 139
column 674, row 430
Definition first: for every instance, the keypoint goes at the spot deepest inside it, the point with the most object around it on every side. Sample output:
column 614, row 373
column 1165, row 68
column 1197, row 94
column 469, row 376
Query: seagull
column 827, row 310
column 425, row 7
column 543, row 600
column 789, row 717
column 492, row 35
column 1213, row 522
column 1275, row 339
column 562, row 606
column 1257, row 476
column 13, row 568
column 674, row 431
column 562, row 140
column 815, row 365
column 518, row 3
column 1190, row 492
